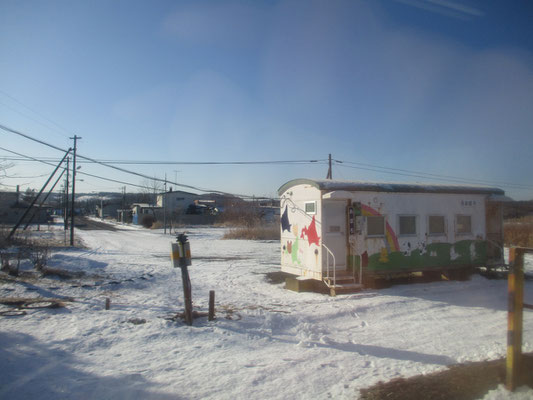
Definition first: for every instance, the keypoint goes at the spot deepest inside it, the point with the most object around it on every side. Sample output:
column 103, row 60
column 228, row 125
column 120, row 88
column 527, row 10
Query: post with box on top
column 181, row 257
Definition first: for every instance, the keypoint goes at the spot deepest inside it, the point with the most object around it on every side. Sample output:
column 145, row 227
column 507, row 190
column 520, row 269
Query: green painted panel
column 434, row 255
column 481, row 252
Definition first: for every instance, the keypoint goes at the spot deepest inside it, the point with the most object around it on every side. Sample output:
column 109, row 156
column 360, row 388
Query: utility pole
column 330, row 174
column 73, row 191
column 165, row 207
column 65, row 215
column 36, row 197
column 123, row 203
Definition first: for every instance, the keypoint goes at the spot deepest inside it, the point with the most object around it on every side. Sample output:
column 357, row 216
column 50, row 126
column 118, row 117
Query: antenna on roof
column 330, row 175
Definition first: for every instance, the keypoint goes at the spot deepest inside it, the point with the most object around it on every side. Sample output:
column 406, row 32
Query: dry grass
column 157, row 225
column 518, row 232
column 255, row 232
column 468, row 381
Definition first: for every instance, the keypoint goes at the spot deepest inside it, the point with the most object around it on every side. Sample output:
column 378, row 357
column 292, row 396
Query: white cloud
column 223, row 24
column 446, row 8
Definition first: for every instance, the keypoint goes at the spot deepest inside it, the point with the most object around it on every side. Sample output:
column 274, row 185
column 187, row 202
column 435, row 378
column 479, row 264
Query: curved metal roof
column 359, row 186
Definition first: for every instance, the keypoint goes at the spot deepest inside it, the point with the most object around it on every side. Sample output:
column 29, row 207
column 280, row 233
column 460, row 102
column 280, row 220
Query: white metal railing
column 327, row 264
column 328, row 276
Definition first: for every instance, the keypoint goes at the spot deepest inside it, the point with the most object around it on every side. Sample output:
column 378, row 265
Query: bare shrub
column 242, row 216
column 7, row 266
column 147, row 220
column 38, row 255
column 3, row 238
column 256, row 232
column 157, row 225
column 518, row 232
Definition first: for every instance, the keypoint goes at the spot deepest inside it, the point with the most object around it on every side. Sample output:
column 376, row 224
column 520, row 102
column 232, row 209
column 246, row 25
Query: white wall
column 304, row 258
column 175, row 201
column 391, row 205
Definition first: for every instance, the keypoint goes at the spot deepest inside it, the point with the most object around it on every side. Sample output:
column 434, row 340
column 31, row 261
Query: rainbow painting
column 391, row 241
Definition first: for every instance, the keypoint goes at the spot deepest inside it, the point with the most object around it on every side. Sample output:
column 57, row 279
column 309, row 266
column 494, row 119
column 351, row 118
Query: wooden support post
column 514, row 321
column 107, row 303
column 187, row 294
column 211, row 315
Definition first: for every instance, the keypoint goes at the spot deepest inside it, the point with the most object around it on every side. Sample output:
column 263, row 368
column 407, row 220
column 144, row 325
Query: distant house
column 12, row 208
column 268, row 209
column 176, row 201
column 108, row 209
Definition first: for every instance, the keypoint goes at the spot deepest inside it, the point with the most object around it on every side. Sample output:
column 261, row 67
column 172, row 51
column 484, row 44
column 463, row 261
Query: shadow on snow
column 36, row 370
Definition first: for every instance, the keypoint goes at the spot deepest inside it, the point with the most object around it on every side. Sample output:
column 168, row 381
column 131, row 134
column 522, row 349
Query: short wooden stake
column 187, row 297
column 211, row 315
column 107, row 303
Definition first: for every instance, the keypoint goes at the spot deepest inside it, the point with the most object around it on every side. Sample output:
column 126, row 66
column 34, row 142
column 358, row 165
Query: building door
column 334, row 228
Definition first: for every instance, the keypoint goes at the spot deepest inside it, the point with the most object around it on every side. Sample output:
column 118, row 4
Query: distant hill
column 517, row 209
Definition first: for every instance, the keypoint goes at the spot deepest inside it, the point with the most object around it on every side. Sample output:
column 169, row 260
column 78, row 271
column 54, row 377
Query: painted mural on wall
column 311, row 233
column 420, row 254
column 293, row 247
column 464, row 252
column 307, row 234
column 390, row 239
column 285, row 224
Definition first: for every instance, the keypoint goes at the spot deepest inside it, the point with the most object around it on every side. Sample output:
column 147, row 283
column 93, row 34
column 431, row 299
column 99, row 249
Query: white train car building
column 347, row 234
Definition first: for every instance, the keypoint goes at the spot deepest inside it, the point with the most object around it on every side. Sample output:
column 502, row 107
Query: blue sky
column 433, row 86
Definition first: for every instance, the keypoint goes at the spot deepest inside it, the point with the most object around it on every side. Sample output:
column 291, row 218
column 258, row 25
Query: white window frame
column 445, row 225
column 463, row 233
column 384, row 226
column 400, row 225
column 314, row 206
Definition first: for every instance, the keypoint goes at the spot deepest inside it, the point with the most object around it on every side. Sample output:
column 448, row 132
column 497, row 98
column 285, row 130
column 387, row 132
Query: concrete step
column 345, row 289
column 330, row 281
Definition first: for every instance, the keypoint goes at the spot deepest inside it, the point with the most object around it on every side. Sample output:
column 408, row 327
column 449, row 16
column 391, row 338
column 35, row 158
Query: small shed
column 348, row 234
column 144, row 214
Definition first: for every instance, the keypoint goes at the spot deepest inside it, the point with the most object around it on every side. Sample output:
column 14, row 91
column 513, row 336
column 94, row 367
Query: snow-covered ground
column 266, row 342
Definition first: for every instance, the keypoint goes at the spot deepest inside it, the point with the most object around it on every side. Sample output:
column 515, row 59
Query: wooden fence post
column 514, row 317
column 211, row 315
column 187, row 294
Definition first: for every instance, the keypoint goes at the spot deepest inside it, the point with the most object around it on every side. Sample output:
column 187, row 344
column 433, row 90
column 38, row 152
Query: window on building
column 375, row 226
column 463, row 224
column 436, row 225
column 407, row 224
column 310, row 207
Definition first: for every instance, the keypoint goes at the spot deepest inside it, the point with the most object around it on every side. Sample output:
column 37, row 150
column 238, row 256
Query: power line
column 280, row 162
column 108, row 179
column 196, row 163
column 30, row 117
column 79, row 172
column 24, row 177
column 353, row 165
column 5, row 128
column 151, row 162
column 34, row 111
column 417, row 174
column 122, row 169
column 139, row 162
